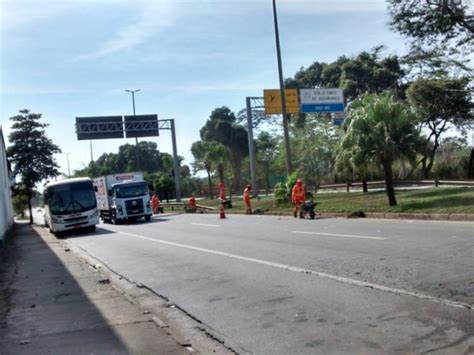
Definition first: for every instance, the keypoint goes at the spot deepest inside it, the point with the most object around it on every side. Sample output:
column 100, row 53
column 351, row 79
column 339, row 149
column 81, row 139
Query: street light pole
column 136, row 138
column 133, row 103
column 68, row 168
column 286, row 135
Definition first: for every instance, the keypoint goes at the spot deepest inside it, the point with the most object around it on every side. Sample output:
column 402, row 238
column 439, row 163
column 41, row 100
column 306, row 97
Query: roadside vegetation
column 431, row 200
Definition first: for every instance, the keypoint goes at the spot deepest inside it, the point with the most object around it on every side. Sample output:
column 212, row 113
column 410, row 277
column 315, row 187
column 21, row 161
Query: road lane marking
column 205, row 225
column 341, row 235
column 341, row 279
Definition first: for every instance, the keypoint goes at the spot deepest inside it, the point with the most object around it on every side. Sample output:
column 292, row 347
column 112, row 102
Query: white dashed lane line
column 297, row 269
column 204, row 225
column 340, row 235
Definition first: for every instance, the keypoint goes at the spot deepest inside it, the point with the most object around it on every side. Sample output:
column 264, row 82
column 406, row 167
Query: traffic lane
column 264, row 309
column 432, row 263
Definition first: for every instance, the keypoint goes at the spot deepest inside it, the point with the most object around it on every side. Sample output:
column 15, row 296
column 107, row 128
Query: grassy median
column 432, row 200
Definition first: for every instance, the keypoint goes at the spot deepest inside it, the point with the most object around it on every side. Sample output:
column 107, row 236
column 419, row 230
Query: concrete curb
column 459, row 217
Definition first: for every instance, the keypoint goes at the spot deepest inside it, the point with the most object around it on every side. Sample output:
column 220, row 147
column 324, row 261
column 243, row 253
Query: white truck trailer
column 122, row 197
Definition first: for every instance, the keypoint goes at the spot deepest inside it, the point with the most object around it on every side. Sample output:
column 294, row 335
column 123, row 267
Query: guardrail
column 381, row 183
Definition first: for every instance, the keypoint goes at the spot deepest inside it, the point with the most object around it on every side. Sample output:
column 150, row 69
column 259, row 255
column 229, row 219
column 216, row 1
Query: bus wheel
column 147, row 218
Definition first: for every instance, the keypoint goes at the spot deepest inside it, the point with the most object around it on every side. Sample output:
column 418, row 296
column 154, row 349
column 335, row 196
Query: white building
column 6, row 209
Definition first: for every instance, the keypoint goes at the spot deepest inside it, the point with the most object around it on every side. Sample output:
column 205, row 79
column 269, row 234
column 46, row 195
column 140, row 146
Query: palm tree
column 207, row 155
column 383, row 129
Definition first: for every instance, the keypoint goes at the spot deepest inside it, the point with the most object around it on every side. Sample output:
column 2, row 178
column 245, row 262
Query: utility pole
column 136, row 138
column 286, row 135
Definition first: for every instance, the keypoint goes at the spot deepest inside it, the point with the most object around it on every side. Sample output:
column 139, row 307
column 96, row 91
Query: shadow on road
column 80, row 233
column 43, row 308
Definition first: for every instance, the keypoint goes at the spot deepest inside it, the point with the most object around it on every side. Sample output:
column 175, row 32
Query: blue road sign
column 338, row 121
column 329, row 107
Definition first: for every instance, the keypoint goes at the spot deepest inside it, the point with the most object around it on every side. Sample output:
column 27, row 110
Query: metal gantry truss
column 115, row 126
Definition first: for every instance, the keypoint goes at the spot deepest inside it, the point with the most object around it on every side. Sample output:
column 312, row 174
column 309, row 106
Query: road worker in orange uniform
column 297, row 196
column 192, row 203
column 248, row 206
column 155, row 204
column 221, row 191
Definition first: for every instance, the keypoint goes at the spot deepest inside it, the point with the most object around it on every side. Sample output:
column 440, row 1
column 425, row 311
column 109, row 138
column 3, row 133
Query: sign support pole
column 286, row 135
column 175, row 161
column 252, row 157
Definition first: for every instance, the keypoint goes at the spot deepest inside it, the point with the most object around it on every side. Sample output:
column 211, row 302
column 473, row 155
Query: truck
column 122, row 197
column 70, row 205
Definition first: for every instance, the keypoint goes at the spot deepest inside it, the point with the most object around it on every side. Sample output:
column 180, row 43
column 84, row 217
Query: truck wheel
column 91, row 229
column 113, row 218
column 147, row 218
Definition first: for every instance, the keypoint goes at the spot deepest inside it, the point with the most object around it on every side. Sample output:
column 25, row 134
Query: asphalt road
column 278, row 285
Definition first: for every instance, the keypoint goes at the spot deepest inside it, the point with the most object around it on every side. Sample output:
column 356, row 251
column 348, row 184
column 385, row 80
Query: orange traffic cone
column 222, row 215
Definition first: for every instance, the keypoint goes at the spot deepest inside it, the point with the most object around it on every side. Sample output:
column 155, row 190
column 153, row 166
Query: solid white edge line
column 205, row 225
column 341, row 279
column 341, row 235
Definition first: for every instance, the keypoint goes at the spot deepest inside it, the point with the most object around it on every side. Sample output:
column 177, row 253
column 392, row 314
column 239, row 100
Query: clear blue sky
column 75, row 58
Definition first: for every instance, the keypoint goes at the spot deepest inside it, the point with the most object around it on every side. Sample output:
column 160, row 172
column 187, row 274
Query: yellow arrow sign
column 272, row 100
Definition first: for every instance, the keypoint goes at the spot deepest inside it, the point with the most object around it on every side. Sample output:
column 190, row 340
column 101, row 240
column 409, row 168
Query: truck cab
column 122, row 197
column 131, row 200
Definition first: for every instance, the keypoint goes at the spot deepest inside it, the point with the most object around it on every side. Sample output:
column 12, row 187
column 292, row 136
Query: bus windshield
column 71, row 198
column 134, row 190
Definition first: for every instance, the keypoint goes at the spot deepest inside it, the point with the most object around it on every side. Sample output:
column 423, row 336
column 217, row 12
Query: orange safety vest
column 297, row 194
column 247, row 195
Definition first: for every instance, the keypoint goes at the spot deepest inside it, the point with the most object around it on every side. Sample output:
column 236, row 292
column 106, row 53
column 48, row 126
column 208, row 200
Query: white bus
column 70, row 204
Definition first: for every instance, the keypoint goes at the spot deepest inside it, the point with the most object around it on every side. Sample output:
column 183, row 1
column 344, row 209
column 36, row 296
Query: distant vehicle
column 69, row 205
column 122, row 197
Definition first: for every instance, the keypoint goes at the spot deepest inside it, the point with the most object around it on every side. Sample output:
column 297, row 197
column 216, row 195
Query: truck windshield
column 71, row 198
column 134, row 190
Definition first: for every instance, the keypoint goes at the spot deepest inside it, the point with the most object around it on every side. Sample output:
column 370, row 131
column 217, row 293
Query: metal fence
column 397, row 183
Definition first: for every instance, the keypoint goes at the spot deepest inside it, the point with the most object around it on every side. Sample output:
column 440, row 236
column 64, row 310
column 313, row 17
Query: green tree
column 151, row 160
column 31, row 152
column 222, row 127
column 433, row 21
column 266, row 150
column 313, row 149
column 441, row 104
column 20, row 199
column 207, row 155
column 384, row 130
column 366, row 72
column 441, row 33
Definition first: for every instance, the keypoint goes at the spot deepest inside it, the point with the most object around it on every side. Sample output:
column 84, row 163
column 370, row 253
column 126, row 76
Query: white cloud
column 18, row 14
column 315, row 7
column 153, row 18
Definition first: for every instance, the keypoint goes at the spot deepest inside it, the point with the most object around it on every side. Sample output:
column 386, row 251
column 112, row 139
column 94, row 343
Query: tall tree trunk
column 470, row 168
column 364, row 184
column 210, row 183
column 237, row 166
column 267, row 176
column 220, row 172
column 423, row 167
column 387, row 169
column 30, row 209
